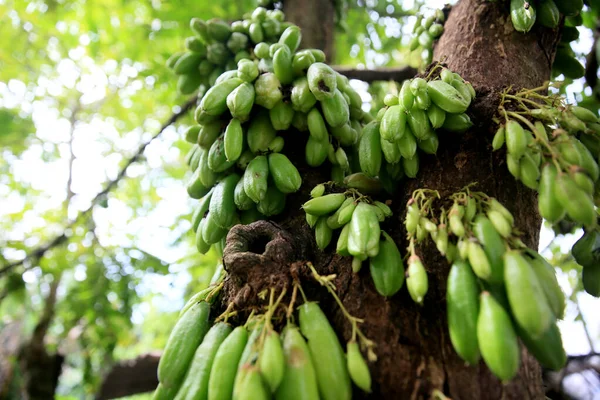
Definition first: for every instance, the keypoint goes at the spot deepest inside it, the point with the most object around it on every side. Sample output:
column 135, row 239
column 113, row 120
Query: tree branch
column 379, row 74
column 42, row 250
column 129, row 377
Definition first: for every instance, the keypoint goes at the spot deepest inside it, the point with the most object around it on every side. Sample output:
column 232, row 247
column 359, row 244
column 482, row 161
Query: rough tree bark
column 415, row 354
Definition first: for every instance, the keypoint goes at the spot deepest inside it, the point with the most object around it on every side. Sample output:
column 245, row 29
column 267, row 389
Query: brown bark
column 130, row 377
column 316, row 18
column 413, row 346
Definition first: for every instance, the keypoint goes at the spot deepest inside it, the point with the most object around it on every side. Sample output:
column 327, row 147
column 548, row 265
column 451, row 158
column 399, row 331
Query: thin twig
column 42, row 250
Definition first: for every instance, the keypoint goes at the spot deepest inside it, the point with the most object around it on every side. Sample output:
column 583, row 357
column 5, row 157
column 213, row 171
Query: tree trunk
column 316, row 18
column 415, row 355
column 130, row 377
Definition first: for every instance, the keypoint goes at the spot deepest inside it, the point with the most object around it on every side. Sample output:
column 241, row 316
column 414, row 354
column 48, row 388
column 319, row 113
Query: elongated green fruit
column 525, row 294
column 590, row 277
column 325, row 204
column 255, row 178
column 547, row 279
column 436, row 116
column 217, row 160
column 299, row 380
column 211, row 232
column 457, row 123
column 547, row 349
column 233, row 140
column 393, row 124
column 497, row 339
column 462, row 299
column 187, row 63
column 575, row 201
column 411, row 166
column 260, row 133
column 322, row 233
column 273, row 203
column 240, row 101
column 316, row 151
column 407, row 144
column 268, row 90
column 271, row 361
column 387, row 268
column 364, row 231
column 478, row 260
column 446, row 97
column 522, row 14
column 493, row 246
column 369, row 150
column 516, row 139
column 302, row 98
column 282, row 65
column 419, row 123
column 548, row 14
column 548, row 205
column 321, row 80
column 201, row 244
column 585, row 249
column 291, row 37
column 214, row 101
column 417, row 281
column 162, row 393
column 285, row 175
column 251, row 385
column 195, row 385
column 316, row 125
column 357, row 367
column 335, row 109
column 326, row 353
column 182, row 343
column 222, row 206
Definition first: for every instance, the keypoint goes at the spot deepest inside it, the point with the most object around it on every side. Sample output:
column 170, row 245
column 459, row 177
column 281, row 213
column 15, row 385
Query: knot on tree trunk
column 258, row 257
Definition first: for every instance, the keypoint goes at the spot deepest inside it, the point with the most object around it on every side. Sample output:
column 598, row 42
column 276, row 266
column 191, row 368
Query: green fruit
column 282, row 65
column 255, row 178
column 411, row 166
column 316, row 152
column 548, row 14
column 291, row 37
column 285, row 175
column 240, row 198
column 547, row 349
column 522, row 14
column 326, row 352
column 357, row 367
column 185, row 337
column 590, row 277
column 364, row 231
column 407, row 144
column 187, row 84
column 569, row 7
column 457, row 123
column 271, row 360
column 299, row 380
column 575, row 201
column 429, row 145
column 214, row 101
column 217, row 161
column 281, row 116
column 222, row 206
column 316, row 125
column 436, row 116
column 516, row 139
column 324, row 204
column 187, row 63
column 548, row 204
column 369, row 150
column 225, row 363
column 321, row 80
column 547, row 279
column 335, row 109
column 233, row 140
column 479, row 261
column 196, row 380
column 446, row 97
column 393, row 124
column 497, row 339
column 525, row 294
column 240, row 101
column 387, row 269
column 302, row 98
column 260, row 133
column 268, row 90
column 462, row 299
column 417, row 281
column 322, row 233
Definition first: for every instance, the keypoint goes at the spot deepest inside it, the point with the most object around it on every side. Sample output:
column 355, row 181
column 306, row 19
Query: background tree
column 79, row 268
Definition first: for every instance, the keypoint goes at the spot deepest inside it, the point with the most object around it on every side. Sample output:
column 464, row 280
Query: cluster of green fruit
column 498, row 290
column 358, row 216
column 586, row 252
column 426, row 31
column 524, row 14
column 553, row 148
column 237, row 159
column 217, row 46
column 410, row 119
column 210, row 359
